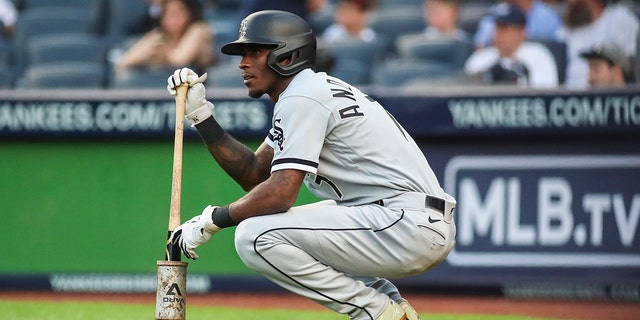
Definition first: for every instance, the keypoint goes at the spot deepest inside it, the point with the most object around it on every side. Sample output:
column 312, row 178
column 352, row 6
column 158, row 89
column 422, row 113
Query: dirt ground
column 455, row 304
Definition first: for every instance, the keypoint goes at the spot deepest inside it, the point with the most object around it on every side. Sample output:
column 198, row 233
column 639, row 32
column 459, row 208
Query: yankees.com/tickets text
column 538, row 112
column 122, row 116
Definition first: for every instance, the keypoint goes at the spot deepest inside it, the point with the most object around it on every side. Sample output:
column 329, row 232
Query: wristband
column 221, row 218
column 200, row 114
column 210, row 130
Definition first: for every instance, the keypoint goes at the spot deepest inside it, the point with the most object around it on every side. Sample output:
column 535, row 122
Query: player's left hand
column 194, row 233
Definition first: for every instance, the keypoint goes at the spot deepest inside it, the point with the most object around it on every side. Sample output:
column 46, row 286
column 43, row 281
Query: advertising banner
column 552, row 113
column 547, row 183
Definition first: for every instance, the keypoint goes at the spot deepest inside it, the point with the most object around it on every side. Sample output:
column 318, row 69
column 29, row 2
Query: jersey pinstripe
column 351, row 148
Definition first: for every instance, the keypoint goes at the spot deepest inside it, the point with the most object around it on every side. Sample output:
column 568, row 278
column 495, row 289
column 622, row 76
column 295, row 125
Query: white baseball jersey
column 353, row 150
column 354, row 153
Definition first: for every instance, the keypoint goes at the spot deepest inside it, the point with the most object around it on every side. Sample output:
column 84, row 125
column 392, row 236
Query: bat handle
column 172, row 252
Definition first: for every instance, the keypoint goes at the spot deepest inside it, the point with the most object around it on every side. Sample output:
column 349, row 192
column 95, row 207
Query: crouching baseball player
column 385, row 214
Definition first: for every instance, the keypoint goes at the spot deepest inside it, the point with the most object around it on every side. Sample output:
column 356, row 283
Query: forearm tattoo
column 243, row 165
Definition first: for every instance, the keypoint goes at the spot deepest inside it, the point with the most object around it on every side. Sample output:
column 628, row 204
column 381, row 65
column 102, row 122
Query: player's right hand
column 196, row 93
column 194, row 233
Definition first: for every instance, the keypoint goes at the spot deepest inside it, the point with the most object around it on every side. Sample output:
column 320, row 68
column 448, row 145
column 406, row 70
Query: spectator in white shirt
column 350, row 22
column 588, row 22
column 511, row 59
column 8, row 17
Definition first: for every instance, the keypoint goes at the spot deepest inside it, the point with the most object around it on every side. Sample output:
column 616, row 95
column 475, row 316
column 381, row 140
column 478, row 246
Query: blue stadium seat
column 6, row 78
column 140, row 78
column 470, row 14
column 5, row 53
column 36, row 22
column 353, row 60
column 319, row 21
column 390, row 4
column 67, row 48
column 396, row 73
column 27, row 4
column 226, row 75
column 224, row 32
column 124, row 19
column 453, row 52
column 559, row 51
column 389, row 24
column 64, row 76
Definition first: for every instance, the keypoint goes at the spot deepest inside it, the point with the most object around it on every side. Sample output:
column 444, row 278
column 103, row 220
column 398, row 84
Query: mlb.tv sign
column 546, row 210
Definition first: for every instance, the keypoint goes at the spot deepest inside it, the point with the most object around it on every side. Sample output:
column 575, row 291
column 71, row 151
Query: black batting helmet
column 288, row 35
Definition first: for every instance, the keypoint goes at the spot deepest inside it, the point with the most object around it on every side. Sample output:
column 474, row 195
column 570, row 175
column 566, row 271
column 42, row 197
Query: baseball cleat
column 412, row 314
column 393, row 312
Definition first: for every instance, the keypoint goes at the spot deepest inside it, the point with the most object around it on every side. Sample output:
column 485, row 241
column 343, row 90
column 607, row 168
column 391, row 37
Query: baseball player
column 384, row 213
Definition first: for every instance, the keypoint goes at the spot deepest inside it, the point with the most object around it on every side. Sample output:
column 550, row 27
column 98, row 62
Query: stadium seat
column 6, row 77
column 224, row 32
column 140, row 78
column 470, row 14
column 353, row 60
column 226, row 75
column 389, row 24
column 28, row 4
column 37, row 22
column 64, row 75
column 5, row 51
column 418, row 85
column 351, row 71
column 559, row 51
column 390, row 4
column 322, row 19
column 396, row 73
column 453, row 52
column 66, row 48
column 124, row 18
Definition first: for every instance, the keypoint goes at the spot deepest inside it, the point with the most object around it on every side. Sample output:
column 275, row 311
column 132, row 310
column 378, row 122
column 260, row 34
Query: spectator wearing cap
column 543, row 22
column 511, row 59
column 350, row 22
column 588, row 22
column 607, row 65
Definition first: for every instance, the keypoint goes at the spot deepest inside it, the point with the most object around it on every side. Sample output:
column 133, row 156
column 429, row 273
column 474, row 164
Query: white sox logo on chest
column 345, row 92
column 278, row 134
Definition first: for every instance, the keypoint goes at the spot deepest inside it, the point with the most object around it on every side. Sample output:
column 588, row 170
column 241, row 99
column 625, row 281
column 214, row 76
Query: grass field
column 31, row 310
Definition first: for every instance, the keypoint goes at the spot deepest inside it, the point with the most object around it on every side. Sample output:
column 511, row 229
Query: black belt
column 429, row 202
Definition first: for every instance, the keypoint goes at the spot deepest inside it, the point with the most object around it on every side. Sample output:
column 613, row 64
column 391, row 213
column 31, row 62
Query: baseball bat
column 173, row 250
column 172, row 273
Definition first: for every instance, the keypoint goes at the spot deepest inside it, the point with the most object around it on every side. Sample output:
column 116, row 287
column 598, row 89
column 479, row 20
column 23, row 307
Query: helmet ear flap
column 302, row 54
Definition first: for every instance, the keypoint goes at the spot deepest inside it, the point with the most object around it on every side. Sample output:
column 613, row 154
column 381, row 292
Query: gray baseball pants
column 339, row 256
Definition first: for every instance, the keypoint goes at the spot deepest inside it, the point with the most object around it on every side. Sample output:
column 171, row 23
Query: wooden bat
column 173, row 250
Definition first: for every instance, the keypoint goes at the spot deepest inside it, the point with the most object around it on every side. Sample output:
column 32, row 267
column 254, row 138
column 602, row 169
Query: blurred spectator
column 607, row 65
column 183, row 38
column 302, row 8
column 511, row 59
column 8, row 17
column 543, row 22
column 154, row 14
column 350, row 22
column 588, row 22
column 441, row 17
